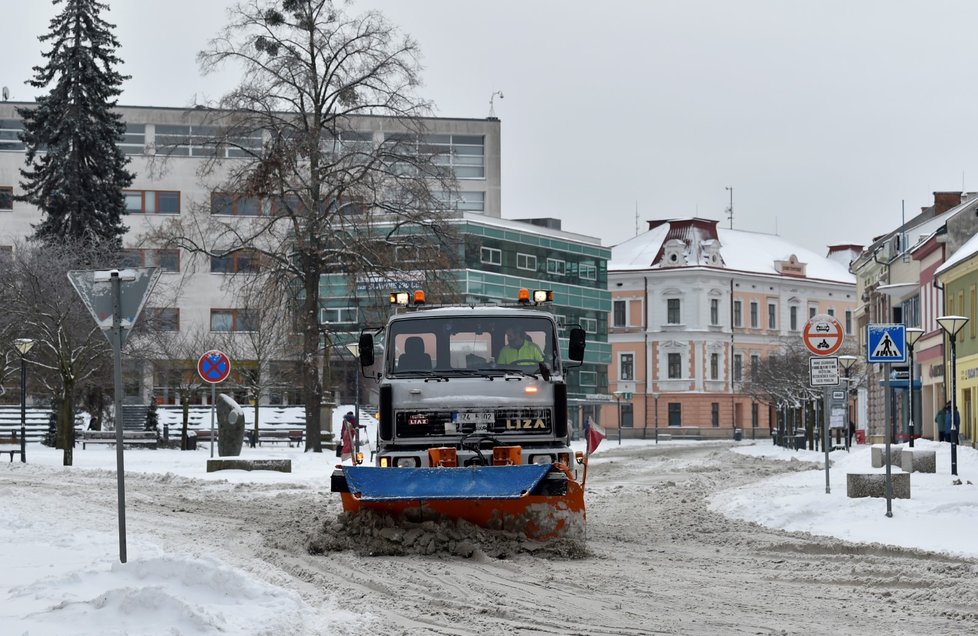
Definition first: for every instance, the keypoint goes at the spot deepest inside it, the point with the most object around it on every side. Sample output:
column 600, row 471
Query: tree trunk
column 66, row 425
column 312, row 388
column 185, row 412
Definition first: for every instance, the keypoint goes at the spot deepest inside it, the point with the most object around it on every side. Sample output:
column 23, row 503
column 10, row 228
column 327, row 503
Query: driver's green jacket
column 527, row 351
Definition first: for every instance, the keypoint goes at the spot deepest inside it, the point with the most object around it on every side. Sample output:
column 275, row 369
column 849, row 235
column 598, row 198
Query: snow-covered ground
column 61, row 574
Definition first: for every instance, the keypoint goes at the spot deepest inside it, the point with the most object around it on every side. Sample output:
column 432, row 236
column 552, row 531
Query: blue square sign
column 886, row 343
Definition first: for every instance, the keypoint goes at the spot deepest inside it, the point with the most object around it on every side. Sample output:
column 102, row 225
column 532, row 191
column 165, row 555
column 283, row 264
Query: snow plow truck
column 468, row 429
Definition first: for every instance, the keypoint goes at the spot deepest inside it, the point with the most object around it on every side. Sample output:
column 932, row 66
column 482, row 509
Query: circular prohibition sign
column 823, row 335
column 214, row 367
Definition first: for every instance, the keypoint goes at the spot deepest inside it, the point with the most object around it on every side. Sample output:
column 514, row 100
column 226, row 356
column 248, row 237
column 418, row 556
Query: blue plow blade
column 373, row 483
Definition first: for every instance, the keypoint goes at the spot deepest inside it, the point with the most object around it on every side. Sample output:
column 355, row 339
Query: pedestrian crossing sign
column 886, row 343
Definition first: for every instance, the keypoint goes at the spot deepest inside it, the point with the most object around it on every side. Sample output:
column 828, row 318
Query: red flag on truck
column 594, row 435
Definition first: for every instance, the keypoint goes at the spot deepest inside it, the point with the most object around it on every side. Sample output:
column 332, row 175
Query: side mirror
column 576, row 344
column 366, row 350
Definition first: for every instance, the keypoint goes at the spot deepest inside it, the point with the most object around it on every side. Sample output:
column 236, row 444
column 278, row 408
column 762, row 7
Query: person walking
column 940, row 422
column 350, row 436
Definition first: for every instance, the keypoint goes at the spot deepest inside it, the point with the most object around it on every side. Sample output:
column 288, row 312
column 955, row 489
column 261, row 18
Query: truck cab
column 446, row 381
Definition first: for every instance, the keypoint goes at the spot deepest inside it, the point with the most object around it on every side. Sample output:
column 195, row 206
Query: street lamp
column 952, row 325
column 913, row 335
column 655, row 399
column 23, row 345
column 847, row 361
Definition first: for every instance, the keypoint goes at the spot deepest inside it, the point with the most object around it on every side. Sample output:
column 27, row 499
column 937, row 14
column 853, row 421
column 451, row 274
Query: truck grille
column 520, row 421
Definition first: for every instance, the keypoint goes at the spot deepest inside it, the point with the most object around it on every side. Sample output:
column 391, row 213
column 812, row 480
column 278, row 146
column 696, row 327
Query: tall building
column 696, row 306
column 496, row 256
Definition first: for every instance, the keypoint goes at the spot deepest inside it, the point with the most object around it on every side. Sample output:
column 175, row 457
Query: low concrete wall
column 917, row 460
column 236, row 463
column 879, row 450
column 874, row 485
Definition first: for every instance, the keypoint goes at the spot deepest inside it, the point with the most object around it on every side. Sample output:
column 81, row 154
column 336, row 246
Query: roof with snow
column 695, row 242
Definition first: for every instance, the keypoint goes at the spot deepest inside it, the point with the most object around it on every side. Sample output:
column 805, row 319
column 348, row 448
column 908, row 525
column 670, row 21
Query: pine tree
column 75, row 171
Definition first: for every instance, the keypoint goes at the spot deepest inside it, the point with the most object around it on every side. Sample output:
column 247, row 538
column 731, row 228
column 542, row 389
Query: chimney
column 944, row 201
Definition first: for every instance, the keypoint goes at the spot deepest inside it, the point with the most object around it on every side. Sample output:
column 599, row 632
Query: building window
column 152, row 201
column 627, row 415
column 793, row 317
column 224, row 204
column 561, row 320
column 6, row 198
column 672, row 311
column 675, row 366
column 754, row 415
column 848, row 324
column 832, row 312
column 331, row 316
column 626, row 366
column 618, row 313
column 772, row 316
column 243, row 262
column 587, row 271
column 590, row 325
column 738, row 370
column 407, row 253
column 811, row 312
column 675, row 414
column 163, row 318
column 588, row 378
column 753, row 315
column 134, row 140
column 738, row 316
column 526, row 261
column 715, row 414
column 556, row 266
column 233, row 320
column 755, row 365
column 491, row 256
column 166, row 260
column 10, row 131
column 714, row 366
column 714, row 311
column 467, row 201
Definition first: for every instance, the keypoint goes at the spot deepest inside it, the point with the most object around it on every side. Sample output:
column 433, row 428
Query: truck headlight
column 406, row 462
column 541, row 459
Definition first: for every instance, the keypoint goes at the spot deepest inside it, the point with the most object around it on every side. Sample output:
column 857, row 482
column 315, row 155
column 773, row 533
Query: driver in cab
column 519, row 349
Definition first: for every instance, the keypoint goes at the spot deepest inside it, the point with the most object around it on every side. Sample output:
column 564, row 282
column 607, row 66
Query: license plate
column 477, row 417
column 417, row 420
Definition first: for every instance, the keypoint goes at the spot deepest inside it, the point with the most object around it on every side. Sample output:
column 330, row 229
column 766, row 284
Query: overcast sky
column 822, row 116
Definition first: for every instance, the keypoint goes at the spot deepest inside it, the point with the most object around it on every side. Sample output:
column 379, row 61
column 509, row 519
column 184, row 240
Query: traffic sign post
column 823, row 336
column 213, row 367
column 887, row 343
column 115, row 299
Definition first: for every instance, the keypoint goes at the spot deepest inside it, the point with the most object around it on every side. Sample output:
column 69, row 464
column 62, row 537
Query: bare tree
column 316, row 186
column 69, row 348
column 269, row 339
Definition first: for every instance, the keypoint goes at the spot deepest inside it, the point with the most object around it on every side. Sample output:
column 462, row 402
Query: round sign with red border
column 823, row 335
column 214, row 367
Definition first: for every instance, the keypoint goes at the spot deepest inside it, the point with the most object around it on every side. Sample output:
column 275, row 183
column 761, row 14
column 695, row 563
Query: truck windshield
column 447, row 344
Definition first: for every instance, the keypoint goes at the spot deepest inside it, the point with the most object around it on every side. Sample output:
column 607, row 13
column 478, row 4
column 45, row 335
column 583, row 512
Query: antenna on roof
column 6, row 93
column 492, row 110
column 636, row 218
column 729, row 209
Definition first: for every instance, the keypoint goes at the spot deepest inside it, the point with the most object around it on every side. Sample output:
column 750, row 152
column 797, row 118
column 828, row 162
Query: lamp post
column 952, row 325
column 655, row 399
column 847, row 361
column 23, row 345
column 913, row 335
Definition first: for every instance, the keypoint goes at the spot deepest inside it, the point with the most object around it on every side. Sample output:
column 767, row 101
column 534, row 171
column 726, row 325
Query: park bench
column 280, row 437
column 11, row 443
column 680, row 432
column 129, row 438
